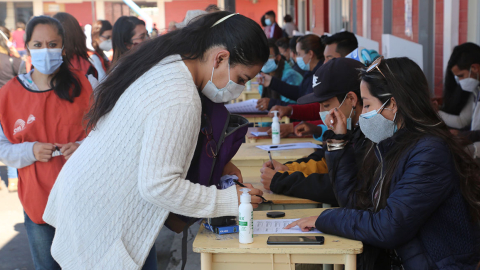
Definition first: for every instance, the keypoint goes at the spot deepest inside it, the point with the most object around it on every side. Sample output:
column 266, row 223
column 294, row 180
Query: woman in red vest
column 41, row 115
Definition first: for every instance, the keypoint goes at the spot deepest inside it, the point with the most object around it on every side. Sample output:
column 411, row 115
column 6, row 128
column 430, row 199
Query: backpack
column 228, row 131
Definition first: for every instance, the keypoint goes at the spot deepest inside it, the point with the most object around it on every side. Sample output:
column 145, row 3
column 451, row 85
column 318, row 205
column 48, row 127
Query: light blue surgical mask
column 372, row 113
column 301, row 64
column 270, row 66
column 323, row 116
column 268, row 22
column 46, row 60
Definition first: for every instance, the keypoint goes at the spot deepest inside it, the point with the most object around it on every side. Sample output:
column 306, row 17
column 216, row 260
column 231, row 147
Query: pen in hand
column 242, row 185
column 271, row 161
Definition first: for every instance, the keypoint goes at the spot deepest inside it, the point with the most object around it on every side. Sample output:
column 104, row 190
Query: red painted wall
column 463, row 27
column 81, row 11
column 398, row 20
column 256, row 11
column 360, row 17
column 320, row 13
column 176, row 10
column 438, row 69
column 377, row 22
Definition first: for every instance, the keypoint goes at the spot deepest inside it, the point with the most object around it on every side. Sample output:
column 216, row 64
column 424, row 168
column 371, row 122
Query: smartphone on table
column 295, row 240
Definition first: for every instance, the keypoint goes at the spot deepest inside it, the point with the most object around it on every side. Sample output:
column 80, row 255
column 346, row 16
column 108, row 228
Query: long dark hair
column 312, row 43
column 75, row 40
column 65, row 84
column 241, row 36
column 463, row 56
column 406, row 83
column 98, row 28
column 123, row 31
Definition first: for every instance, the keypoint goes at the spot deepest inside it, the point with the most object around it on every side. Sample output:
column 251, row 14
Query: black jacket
column 426, row 219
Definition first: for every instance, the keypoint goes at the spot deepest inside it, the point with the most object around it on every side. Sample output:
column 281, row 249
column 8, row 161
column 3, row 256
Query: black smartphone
column 275, row 214
column 295, row 240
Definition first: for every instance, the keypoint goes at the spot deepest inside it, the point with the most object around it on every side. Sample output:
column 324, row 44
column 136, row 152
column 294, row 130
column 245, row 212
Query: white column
column 280, row 13
column 161, row 14
column 10, row 19
column 367, row 19
column 473, row 21
column 335, row 16
column 37, row 7
column 221, row 4
column 451, row 21
column 100, row 9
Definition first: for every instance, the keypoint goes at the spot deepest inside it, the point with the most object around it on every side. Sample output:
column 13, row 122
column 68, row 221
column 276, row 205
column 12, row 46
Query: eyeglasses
column 375, row 64
column 207, row 130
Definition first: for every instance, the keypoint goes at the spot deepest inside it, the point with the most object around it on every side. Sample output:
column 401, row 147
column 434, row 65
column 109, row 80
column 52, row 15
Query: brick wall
column 256, row 11
column 360, row 17
column 176, row 10
column 377, row 22
column 113, row 11
column 398, row 20
column 463, row 24
column 438, row 69
column 319, row 12
column 81, row 11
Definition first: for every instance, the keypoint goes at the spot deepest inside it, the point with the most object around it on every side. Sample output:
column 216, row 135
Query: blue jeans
column 151, row 261
column 40, row 238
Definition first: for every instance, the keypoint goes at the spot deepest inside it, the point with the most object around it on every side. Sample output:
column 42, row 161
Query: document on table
column 276, row 226
column 249, row 106
column 288, row 146
column 259, row 134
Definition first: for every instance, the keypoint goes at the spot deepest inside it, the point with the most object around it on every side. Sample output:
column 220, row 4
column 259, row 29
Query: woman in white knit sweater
column 114, row 194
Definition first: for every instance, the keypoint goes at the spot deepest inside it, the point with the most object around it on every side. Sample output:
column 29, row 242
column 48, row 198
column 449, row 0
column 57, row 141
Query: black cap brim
column 311, row 98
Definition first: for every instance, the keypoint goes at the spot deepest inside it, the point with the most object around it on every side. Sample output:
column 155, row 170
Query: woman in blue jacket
column 415, row 200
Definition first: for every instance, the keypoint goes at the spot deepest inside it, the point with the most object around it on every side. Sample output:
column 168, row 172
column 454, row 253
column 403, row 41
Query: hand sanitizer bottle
column 275, row 129
column 245, row 217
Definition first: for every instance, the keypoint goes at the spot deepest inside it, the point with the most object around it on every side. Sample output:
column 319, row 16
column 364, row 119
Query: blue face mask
column 323, row 115
column 270, row 66
column 301, row 64
column 268, row 22
column 45, row 60
column 372, row 113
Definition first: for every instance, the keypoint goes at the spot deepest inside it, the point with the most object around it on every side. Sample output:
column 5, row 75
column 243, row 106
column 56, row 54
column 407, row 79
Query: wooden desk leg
column 350, row 262
column 206, row 261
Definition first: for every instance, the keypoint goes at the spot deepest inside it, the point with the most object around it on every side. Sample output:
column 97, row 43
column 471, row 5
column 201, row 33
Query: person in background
column 154, row 33
column 18, row 38
column 47, row 115
column 272, row 30
column 308, row 177
column 413, row 198
column 102, row 41
column 147, row 90
column 171, row 26
column 310, row 57
column 339, row 45
column 284, row 49
column 289, row 26
column 293, row 55
column 76, row 50
column 212, row 8
column 279, row 68
column 128, row 32
column 10, row 66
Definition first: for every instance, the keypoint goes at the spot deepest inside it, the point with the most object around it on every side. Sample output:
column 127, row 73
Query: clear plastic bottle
column 275, row 129
column 245, row 218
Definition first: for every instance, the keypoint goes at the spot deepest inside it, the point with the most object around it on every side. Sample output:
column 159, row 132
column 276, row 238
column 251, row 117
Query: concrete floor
column 15, row 253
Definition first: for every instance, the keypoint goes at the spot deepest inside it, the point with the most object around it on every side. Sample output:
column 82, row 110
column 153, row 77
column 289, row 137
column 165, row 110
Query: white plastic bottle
column 275, row 129
column 245, row 217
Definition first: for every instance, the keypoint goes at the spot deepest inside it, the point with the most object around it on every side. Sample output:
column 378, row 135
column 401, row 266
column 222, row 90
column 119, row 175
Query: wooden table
column 280, row 202
column 225, row 252
column 247, row 95
column 249, row 159
column 249, row 138
column 262, row 118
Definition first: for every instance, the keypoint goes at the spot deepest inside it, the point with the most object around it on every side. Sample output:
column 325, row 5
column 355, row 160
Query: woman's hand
column 305, row 128
column 253, row 191
column 282, row 111
column 231, row 169
column 285, row 130
column 264, row 79
column 262, row 104
column 305, row 224
column 67, row 149
column 43, row 151
column 336, row 121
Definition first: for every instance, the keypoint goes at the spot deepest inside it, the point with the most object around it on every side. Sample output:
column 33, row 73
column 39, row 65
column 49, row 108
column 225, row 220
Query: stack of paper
column 259, row 134
column 276, row 226
column 249, row 106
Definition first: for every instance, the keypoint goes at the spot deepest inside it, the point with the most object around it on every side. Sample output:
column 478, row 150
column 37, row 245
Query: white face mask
column 469, row 84
column 375, row 126
column 105, row 45
column 46, row 60
column 228, row 93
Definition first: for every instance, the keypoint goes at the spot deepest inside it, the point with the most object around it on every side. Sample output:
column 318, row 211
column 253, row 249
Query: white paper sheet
column 249, row 106
column 276, row 226
column 288, row 146
column 259, row 134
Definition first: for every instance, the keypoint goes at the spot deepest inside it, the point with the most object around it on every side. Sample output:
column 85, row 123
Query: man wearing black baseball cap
column 335, row 85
